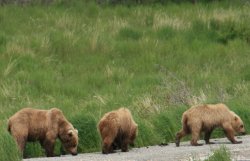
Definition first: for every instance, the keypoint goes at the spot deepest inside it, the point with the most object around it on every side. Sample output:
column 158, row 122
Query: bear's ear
column 235, row 118
column 70, row 133
column 76, row 131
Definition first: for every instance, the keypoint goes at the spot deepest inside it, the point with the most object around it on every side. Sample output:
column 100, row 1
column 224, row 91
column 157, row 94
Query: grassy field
column 156, row 60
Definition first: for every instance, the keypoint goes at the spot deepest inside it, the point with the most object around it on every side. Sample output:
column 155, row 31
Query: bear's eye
column 241, row 126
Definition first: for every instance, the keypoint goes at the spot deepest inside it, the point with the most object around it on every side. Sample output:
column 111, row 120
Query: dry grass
column 146, row 106
column 163, row 20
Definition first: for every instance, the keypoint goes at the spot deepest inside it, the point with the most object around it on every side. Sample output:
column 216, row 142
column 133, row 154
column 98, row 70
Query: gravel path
column 164, row 153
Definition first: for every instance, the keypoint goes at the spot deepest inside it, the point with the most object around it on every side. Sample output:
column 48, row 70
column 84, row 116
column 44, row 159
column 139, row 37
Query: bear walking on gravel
column 45, row 126
column 205, row 118
column 118, row 130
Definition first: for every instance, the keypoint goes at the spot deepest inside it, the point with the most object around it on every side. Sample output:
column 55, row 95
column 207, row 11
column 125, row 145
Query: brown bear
column 205, row 118
column 118, row 130
column 44, row 126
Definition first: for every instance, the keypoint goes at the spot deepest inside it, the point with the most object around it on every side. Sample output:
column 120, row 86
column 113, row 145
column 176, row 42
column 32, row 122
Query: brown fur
column 117, row 130
column 45, row 126
column 205, row 118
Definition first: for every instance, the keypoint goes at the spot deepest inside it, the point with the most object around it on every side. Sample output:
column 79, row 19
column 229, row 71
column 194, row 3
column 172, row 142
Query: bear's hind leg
column 21, row 142
column 195, row 135
column 183, row 132
column 20, row 138
column 178, row 137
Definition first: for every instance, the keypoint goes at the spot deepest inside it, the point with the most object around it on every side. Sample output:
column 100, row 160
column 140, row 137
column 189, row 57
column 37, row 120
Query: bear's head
column 238, row 125
column 69, row 140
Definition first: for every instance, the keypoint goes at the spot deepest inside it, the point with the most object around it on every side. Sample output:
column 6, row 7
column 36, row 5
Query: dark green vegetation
column 157, row 60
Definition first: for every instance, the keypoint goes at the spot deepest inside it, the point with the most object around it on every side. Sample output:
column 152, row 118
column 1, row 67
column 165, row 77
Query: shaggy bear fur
column 117, row 130
column 205, row 118
column 45, row 126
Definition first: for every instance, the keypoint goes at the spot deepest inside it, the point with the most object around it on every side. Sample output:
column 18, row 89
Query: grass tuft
column 221, row 154
column 89, row 139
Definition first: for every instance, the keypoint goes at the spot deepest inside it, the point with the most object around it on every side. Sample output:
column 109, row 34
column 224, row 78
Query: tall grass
column 8, row 148
column 157, row 60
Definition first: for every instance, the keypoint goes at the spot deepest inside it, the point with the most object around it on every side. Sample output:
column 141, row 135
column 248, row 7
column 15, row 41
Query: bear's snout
column 73, row 151
column 243, row 133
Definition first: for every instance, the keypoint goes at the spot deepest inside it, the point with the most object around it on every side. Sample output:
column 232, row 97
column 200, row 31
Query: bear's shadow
column 214, row 142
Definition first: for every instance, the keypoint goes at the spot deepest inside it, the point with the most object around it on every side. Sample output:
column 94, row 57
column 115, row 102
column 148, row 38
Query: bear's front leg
column 49, row 147
column 107, row 146
column 230, row 135
column 49, row 144
column 124, row 145
column 195, row 138
column 207, row 136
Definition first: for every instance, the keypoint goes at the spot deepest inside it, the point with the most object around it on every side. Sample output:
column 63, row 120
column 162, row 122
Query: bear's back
column 125, row 119
column 212, row 115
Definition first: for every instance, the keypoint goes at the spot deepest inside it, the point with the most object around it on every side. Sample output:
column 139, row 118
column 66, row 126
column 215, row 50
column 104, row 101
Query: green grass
column 8, row 149
column 157, row 60
column 221, row 154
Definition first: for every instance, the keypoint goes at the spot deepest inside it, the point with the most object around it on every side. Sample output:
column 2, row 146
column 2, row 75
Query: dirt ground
column 165, row 153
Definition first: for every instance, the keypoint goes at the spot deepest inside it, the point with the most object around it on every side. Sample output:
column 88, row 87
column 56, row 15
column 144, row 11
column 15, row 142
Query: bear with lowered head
column 118, row 130
column 45, row 126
